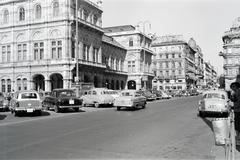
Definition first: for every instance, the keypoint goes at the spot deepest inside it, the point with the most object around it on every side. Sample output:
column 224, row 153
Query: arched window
column 24, row 84
column 85, row 15
column 38, row 12
column 9, row 89
column 5, row 16
column 19, row 84
column 21, row 14
column 130, row 42
column 3, row 85
column 95, row 19
column 55, row 9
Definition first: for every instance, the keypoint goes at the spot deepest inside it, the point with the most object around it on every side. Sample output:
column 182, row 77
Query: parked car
column 114, row 93
column 150, row 96
column 26, row 101
column 130, row 99
column 157, row 93
column 214, row 102
column 165, row 95
column 44, row 94
column 4, row 102
column 97, row 97
column 61, row 99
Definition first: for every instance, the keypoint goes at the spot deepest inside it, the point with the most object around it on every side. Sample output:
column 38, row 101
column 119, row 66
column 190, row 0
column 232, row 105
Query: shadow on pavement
column 2, row 117
column 208, row 122
column 44, row 113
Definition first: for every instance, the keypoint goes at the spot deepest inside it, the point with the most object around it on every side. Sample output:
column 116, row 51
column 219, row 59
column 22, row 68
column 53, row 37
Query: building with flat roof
column 37, row 46
column 139, row 55
column 175, row 62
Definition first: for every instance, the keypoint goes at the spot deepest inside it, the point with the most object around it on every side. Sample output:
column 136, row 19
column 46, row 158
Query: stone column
column 100, row 55
column 91, row 53
column 80, row 50
column 66, row 83
column 47, row 85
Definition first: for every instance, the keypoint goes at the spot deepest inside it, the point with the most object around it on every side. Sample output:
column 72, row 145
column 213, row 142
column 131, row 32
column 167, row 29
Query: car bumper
column 28, row 110
column 77, row 106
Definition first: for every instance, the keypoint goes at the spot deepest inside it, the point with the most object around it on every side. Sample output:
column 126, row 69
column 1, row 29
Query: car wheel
column 76, row 109
column 96, row 105
column 201, row 114
column 16, row 114
column 38, row 113
column 144, row 105
column 56, row 109
column 118, row 108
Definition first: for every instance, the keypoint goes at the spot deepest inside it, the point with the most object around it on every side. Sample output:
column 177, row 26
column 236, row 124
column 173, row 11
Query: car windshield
column 214, row 95
column 29, row 96
column 127, row 94
column 66, row 94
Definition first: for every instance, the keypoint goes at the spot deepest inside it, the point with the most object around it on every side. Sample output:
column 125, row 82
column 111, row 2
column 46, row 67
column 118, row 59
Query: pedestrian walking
column 235, row 98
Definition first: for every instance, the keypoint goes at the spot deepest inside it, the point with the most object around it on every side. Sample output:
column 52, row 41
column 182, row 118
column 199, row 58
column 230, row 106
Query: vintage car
column 214, row 102
column 61, row 99
column 4, row 102
column 130, row 99
column 26, row 101
column 97, row 97
column 157, row 93
column 165, row 95
column 149, row 96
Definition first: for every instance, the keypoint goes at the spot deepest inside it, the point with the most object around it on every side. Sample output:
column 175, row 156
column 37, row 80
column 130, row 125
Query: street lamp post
column 76, row 52
column 144, row 42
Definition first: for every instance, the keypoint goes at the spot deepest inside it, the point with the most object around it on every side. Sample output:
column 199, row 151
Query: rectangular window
column 56, row 49
column 173, row 55
column 3, row 53
column 8, row 53
column 21, row 52
column 38, row 51
column 131, row 66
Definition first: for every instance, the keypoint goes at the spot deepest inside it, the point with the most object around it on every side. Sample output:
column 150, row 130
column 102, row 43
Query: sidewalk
column 219, row 153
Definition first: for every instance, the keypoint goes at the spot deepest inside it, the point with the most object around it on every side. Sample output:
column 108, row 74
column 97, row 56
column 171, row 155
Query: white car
column 214, row 102
column 26, row 101
column 130, row 99
column 97, row 97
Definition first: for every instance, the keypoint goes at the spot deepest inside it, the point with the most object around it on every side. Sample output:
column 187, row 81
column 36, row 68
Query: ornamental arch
column 56, row 80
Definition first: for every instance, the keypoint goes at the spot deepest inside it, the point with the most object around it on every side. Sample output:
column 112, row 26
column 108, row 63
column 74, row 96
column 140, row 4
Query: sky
column 203, row 20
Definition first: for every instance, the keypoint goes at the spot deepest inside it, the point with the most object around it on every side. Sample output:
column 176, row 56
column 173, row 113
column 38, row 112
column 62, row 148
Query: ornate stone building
column 231, row 53
column 139, row 56
column 37, row 45
column 175, row 62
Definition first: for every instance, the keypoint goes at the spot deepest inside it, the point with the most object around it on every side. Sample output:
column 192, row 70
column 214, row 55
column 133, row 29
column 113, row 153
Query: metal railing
column 230, row 142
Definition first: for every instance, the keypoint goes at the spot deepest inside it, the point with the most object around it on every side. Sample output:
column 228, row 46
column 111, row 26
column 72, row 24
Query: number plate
column 29, row 110
column 212, row 106
column 71, row 101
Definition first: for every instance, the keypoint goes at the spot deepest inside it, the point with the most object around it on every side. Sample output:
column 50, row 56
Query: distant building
column 231, row 53
column 176, row 67
column 210, row 76
column 37, row 46
column 139, row 56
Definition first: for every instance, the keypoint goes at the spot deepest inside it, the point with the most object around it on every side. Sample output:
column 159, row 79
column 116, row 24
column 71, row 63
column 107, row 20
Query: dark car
column 157, row 93
column 150, row 96
column 4, row 102
column 61, row 99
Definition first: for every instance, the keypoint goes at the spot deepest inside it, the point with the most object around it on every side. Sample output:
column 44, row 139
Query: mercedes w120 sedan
column 214, row 102
column 130, row 99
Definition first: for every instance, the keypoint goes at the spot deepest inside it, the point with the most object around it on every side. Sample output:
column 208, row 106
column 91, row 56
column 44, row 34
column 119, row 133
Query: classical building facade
column 37, row 45
column 231, row 53
column 175, row 62
column 139, row 56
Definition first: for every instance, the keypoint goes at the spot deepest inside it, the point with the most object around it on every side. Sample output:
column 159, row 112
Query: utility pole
column 76, row 51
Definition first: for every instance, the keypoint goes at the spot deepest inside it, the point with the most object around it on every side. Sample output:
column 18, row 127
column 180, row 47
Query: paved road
column 166, row 129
